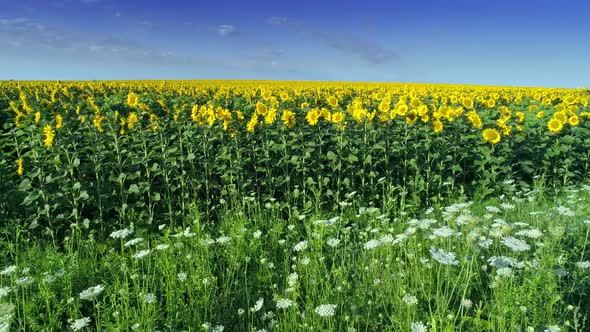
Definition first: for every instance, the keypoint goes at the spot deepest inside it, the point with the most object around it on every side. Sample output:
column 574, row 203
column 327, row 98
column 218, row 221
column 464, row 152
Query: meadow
column 293, row 206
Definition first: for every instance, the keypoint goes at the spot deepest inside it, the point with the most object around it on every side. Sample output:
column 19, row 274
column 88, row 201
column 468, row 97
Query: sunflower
column 288, row 118
column 132, row 120
column 261, row 108
column 402, row 109
column 337, row 117
column 560, row 116
column 332, row 101
column 252, row 123
column 284, row 96
column 312, row 117
column 384, row 106
column 415, row 103
column 574, row 120
column 491, row 135
column 474, row 118
column 438, row 126
column 569, row 100
column 132, row 99
column 467, row 102
column 270, row 116
column 49, row 136
column 540, row 114
column 555, row 125
column 326, row 114
column 20, row 168
column 411, row 117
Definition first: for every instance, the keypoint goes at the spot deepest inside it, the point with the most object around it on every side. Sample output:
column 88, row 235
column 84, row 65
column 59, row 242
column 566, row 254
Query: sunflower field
column 101, row 150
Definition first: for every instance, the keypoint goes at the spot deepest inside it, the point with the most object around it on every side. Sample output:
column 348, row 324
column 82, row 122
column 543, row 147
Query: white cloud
column 13, row 21
column 226, row 30
column 370, row 51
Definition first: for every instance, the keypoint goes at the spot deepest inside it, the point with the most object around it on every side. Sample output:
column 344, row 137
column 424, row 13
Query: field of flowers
column 289, row 206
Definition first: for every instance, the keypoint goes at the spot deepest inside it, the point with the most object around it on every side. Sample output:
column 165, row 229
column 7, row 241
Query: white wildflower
column 300, row 246
column 284, row 303
column 9, row 270
column 23, row 281
column 122, row 233
column 505, row 272
column 326, row 310
column 333, row 242
column 149, row 298
column 410, row 299
column 181, row 276
column 387, row 238
column 162, row 247
column 507, row 206
column 564, row 211
column 466, row 303
column 371, row 244
column 532, row 233
column 552, row 328
column 502, row 261
column 292, row 279
column 4, row 291
column 444, row 257
column 258, row 305
column 141, row 254
column 515, row 244
column 92, row 292
column 257, row 234
column 581, row 265
column 133, row 242
column 493, row 209
column 223, row 239
column 444, row 231
column 79, row 324
column 418, row 327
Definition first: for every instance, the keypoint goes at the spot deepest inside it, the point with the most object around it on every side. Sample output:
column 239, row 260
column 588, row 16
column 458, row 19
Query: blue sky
column 497, row 42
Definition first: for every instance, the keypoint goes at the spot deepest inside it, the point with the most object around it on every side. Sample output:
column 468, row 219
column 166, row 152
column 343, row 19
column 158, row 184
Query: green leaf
column 31, row 197
column 25, row 185
column 352, row 158
column 84, row 195
column 331, row 155
column 133, row 189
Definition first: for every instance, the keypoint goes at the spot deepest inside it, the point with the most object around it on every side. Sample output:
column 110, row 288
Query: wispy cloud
column 25, row 32
column 368, row 50
column 226, row 30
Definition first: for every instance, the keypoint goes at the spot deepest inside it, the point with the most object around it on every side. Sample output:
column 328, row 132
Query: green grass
column 518, row 263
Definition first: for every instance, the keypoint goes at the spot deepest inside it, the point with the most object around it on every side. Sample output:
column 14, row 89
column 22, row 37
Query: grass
column 513, row 263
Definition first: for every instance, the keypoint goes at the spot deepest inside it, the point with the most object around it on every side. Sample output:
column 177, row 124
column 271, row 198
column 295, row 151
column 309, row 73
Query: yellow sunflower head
column 491, row 135
column 555, row 125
